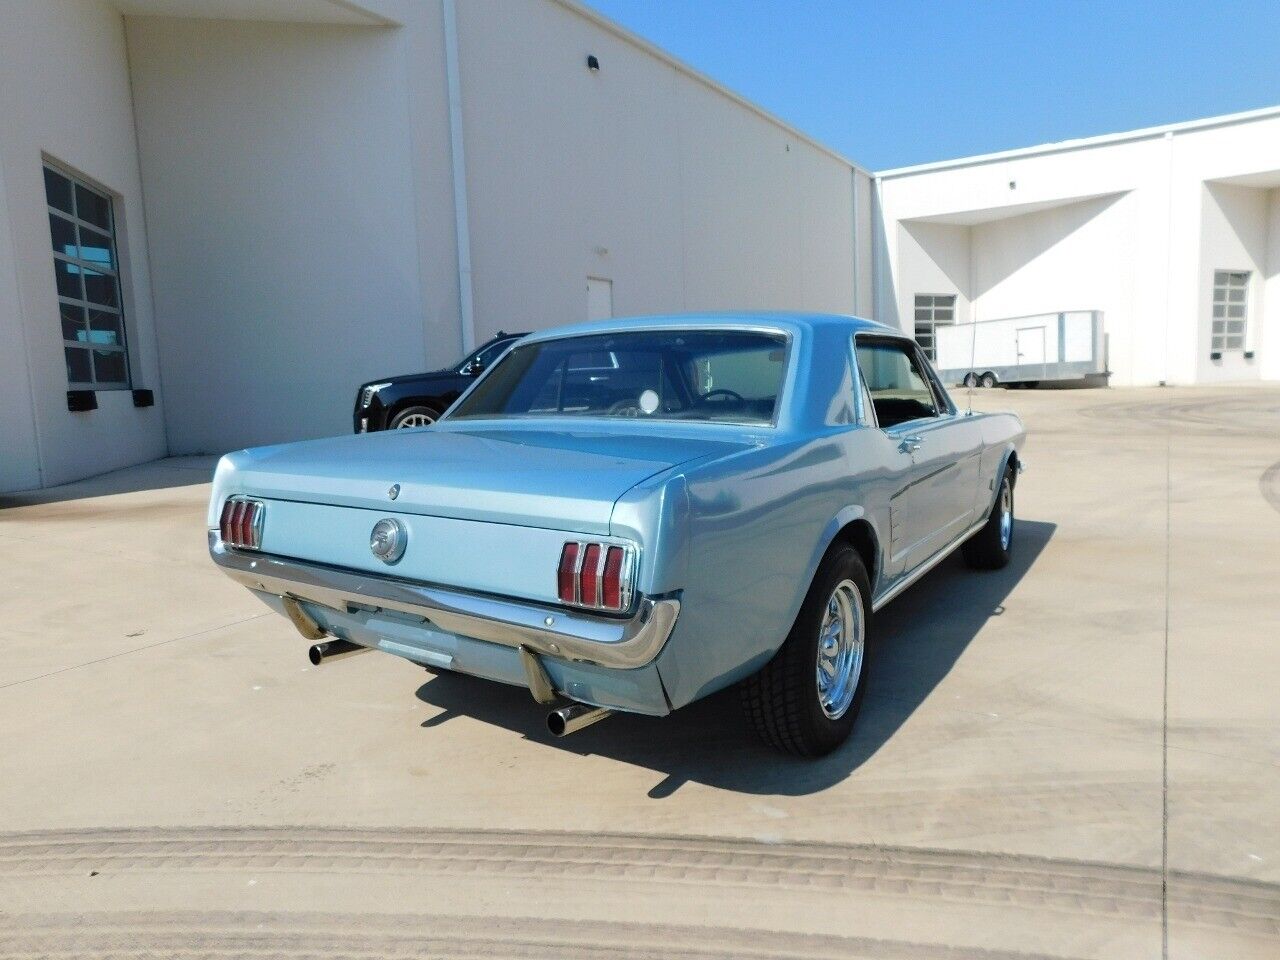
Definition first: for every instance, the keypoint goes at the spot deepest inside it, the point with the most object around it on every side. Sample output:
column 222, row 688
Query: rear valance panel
column 498, row 558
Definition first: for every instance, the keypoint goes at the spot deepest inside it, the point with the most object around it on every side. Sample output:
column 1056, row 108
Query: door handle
column 910, row 444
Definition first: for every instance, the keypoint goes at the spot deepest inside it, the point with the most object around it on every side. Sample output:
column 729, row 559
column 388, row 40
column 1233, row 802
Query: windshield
column 702, row 375
column 486, row 353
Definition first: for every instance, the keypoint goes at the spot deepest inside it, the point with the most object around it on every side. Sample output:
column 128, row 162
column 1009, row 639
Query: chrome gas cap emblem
column 394, row 491
column 388, row 540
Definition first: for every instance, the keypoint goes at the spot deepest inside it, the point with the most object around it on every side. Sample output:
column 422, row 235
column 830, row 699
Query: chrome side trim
column 547, row 630
column 925, row 567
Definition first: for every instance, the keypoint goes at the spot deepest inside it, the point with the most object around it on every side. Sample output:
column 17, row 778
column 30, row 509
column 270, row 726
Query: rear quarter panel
column 1002, row 436
column 743, row 549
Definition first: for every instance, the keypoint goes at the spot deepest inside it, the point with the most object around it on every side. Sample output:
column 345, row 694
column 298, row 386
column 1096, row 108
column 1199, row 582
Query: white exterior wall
column 1233, row 237
column 640, row 174
column 1269, row 327
column 937, row 257
column 64, row 92
column 1076, row 257
column 1133, row 225
column 281, row 204
column 300, row 194
column 301, row 234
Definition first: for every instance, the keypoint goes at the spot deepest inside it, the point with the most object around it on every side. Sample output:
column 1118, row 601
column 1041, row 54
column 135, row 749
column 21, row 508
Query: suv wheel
column 411, row 417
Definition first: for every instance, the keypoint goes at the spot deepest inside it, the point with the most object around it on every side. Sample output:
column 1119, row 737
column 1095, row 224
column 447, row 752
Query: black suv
column 418, row 399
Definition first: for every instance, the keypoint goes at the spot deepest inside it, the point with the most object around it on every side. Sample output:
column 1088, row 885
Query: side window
column 899, row 389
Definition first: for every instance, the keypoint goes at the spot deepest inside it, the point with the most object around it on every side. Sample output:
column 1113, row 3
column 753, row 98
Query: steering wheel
column 729, row 394
column 625, row 408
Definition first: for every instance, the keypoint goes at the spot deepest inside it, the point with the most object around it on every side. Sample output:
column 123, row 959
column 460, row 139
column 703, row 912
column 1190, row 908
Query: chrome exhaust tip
column 333, row 650
column 573, row 718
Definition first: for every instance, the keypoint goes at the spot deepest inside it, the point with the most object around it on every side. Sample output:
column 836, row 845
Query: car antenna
column 970, row 376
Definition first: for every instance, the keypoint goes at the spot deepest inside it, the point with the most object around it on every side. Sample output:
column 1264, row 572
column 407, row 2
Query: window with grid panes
column 932, row 309
column 1230, row 309
column 87, row 278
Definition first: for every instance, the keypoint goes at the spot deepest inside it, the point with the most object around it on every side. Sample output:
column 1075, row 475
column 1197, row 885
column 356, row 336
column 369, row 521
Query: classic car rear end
column 485, row 558
column 635, row 514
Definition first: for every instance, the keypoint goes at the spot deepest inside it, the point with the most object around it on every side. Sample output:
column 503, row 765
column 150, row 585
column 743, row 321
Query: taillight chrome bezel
column 240, row 524
column 579, row 550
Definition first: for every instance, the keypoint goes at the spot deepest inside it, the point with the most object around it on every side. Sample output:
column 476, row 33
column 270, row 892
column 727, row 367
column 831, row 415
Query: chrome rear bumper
column 547, row 630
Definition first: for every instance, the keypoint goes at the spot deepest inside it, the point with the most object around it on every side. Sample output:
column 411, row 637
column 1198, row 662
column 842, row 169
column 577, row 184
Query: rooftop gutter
column 1064, row 146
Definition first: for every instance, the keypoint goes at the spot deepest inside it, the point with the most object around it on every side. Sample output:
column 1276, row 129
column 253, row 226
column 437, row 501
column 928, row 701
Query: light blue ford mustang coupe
column 631, row 515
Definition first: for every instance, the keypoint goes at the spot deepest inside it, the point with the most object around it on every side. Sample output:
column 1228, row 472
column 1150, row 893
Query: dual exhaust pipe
column 333, row 650
column 574, row 717
column 561, row 722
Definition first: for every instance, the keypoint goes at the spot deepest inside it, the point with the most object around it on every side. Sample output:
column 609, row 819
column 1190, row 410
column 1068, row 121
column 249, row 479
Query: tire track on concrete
column 1252, row 413
column 250, row 935
column 1077, row 888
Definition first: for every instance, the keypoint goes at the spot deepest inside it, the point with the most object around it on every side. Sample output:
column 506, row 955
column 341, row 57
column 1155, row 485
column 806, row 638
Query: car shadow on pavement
column 919, row 637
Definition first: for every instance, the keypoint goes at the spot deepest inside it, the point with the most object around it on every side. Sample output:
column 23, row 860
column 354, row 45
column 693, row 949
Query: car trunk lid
column 567, row 480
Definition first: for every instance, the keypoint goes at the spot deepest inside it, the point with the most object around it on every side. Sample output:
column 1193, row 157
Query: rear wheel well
column 1011, row 466
column 860, row 535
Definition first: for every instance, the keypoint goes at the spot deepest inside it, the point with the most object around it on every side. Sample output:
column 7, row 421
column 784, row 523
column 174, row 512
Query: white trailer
column 1043, row 348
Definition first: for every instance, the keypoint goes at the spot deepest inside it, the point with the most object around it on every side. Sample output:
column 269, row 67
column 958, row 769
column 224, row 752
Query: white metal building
column 217, row 217
column 238, row 210
column 1173, row 233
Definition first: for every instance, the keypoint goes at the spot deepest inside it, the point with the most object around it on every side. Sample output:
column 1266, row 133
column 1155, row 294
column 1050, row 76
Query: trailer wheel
column 988, row 380
column 970, row 379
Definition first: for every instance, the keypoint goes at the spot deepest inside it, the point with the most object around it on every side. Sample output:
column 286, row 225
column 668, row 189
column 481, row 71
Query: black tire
column 782, row 700
column 970, row 379
column 989, row 548
column 988, row 380
column 398, row 421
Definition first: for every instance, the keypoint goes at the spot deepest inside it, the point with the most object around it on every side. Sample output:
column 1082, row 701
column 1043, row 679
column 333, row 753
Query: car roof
column 776, row 320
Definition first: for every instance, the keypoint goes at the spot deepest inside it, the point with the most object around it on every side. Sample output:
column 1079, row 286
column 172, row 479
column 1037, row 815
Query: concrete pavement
column 177, row 779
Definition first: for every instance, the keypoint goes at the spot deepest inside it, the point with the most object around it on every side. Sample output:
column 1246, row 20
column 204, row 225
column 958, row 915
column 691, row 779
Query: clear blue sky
column 892, row 83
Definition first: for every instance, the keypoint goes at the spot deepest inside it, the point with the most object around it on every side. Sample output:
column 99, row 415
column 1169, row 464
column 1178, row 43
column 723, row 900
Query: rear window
column 715, row 376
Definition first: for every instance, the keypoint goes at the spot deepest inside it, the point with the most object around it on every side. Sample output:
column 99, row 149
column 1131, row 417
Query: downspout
column 453, row 81
column 877, row 231
column 854, row 214
column 1165, row 377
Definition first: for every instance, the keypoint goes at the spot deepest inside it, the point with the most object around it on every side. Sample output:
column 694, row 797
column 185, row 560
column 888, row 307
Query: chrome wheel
column 841, row 646
column 1006, row 515
column 416, row 420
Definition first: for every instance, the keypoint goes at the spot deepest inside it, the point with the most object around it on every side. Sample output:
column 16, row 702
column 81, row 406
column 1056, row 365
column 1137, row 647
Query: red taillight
column 590, row 580
column 224, row 524
column 238, row 533
column 567, row 577
column 595, row 575
column 240, row 524
column 611, row 589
